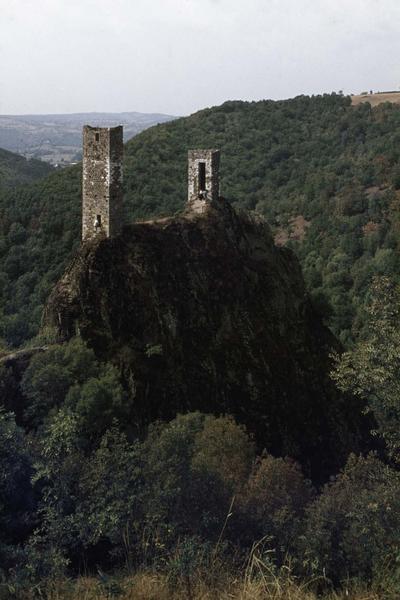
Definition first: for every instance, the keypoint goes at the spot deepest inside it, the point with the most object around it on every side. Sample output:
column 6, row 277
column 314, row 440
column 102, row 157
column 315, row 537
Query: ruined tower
column 102, row 211
column 203, row 177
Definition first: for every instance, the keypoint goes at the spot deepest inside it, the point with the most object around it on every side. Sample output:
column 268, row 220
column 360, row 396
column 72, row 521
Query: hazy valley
column 57, row 139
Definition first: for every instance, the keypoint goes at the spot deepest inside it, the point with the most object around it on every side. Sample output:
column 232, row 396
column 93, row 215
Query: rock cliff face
column 202, row 311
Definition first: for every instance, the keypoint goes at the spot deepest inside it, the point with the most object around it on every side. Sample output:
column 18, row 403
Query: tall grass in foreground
column 151, row 586
column 259, row 581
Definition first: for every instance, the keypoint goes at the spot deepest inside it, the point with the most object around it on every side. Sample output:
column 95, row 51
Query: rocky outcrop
column 204, row 312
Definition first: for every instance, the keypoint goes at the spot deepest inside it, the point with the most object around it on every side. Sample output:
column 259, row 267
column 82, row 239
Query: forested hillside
column 325, row 174
column 16, row 170
column 203, row 312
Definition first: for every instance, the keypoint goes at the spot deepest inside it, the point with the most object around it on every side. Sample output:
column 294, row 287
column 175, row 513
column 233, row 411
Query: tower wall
column 102, row 195
column 199, row 175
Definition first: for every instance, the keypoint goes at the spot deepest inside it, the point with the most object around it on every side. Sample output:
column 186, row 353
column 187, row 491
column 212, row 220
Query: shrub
column 274, row 502
column 70, row 375
column 193, row 466
column 110, row 488
column 17, row 502
column 353, row 527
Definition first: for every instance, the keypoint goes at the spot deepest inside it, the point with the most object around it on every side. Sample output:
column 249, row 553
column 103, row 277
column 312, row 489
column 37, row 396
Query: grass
column 375, row 99
column 151, row 586
column 259, row 581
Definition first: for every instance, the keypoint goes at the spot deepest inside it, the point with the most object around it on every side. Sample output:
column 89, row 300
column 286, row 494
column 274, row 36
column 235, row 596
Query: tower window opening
column 97, row 135
column 97, row 222
column 202, row 177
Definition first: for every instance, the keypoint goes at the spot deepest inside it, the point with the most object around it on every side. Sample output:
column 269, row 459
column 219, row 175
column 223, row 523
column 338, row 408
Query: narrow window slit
column 202, row 176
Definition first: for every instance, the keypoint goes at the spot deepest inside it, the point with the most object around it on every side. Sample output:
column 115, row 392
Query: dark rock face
column 204, row 312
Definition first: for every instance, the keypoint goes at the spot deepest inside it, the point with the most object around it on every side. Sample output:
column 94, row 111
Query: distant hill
column 378, row 98
column 58, row 138
column 325, row 174
column 16, row 170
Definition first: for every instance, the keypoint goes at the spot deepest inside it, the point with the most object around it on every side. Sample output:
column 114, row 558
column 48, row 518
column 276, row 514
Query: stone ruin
column 102, row 193
column 203, row 178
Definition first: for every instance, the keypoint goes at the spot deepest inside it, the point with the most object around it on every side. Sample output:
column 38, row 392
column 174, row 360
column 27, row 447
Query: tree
column 17, row 502
column 58, row 466
column 109, row 510
column 372, row 370
column 273, row 503
column 193, row 466
column 71, row 375
column 98, row 401
column 353, row 528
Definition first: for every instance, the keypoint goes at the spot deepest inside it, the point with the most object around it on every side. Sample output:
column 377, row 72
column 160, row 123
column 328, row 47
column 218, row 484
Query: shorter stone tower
column 203, row 178
column 102, row 198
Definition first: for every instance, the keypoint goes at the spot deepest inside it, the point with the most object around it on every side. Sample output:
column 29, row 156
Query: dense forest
column 16, row 170
column 324, row 174
column 192, row 500
column 195, row 501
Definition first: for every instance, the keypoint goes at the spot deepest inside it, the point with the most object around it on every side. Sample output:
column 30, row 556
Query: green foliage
column 190, row 491
column 90, row 502
column 224, row 448
column 319, row 157
column 17, row 503
column 353, row 528
column 57, row 468
column 193, row 466
column 372, row 369
column 273, row 504
column 111, row 488
column 127, row 502
column 49, row 212
column 70, row 374
column 16, row 170
column 99, row 400
column 191, row 556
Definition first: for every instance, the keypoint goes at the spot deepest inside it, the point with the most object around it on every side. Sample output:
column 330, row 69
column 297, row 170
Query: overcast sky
column 177, row 56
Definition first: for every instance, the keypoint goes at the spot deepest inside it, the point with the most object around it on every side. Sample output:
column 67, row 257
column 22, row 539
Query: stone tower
column 102, row 210
column 203, row 177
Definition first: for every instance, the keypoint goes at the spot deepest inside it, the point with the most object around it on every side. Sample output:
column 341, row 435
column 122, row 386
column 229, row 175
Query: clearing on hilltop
column 377, row 98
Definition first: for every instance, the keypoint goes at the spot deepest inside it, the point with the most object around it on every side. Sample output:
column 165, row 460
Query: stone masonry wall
column 211, row 160
column 102, row 181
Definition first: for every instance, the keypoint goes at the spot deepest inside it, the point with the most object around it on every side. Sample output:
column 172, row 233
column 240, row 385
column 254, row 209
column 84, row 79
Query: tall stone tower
column 203, row 177
column 102, row 210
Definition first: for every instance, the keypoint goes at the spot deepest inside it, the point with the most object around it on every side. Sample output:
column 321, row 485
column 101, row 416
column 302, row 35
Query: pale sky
column 177, row 56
